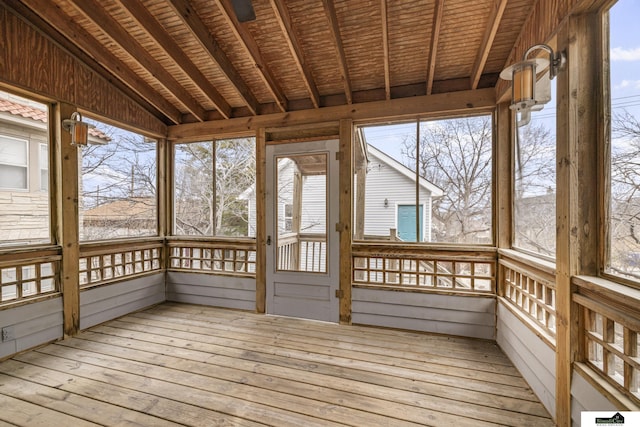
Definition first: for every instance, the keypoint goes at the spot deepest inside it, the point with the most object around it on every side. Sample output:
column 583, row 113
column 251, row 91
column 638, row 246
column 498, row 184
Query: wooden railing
column 528, row 285
column 449, row 270
column 302, row 252
column 106, row 262
column 610, row 325
column 228, row 257
column 28, row 274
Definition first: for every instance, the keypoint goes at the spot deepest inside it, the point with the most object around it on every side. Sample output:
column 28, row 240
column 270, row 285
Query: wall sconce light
column 77, row 128
column 386, row 203
column 528, row 93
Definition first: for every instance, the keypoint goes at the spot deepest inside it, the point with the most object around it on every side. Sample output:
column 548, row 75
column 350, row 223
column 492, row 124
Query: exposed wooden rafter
column 87, row 43
column 334, row 28
column 385, row 49
column 497, row 12
column 96, row 13
column 284, row 20
column 251, row 47
column 200, row 32
column 154, row 29
column 438, row 12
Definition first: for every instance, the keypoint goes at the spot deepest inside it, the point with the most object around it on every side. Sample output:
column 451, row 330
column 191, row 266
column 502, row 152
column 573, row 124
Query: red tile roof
column 36, row 114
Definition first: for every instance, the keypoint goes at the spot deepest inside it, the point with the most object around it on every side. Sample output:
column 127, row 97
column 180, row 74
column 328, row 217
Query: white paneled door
column 302, row 241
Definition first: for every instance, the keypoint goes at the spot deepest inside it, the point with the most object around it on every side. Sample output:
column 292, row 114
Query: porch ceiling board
column 191, row 60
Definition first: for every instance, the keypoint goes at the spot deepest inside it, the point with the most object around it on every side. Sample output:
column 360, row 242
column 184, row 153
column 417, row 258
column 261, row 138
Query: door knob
column 269, row 240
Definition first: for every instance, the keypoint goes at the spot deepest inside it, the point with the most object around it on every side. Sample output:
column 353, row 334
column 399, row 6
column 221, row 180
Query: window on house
column 534, row 189
column 24, row 209
column 425, row 181
column 214, row 188
column 622, row 256
column 14, row 158
column 118, row 184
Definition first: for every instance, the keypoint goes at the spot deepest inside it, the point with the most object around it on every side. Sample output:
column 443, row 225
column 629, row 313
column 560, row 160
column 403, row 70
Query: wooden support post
column 504, row 176
column 67, row 230
column 261, row 222
column 361, row 189
column 577, row 207
column 165, row 197
column 345, row 217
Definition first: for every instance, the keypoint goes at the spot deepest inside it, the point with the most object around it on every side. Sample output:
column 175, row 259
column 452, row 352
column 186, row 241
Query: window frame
column 420, row 120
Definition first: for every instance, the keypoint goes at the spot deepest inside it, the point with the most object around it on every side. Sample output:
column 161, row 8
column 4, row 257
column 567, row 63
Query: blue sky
column 625, row 56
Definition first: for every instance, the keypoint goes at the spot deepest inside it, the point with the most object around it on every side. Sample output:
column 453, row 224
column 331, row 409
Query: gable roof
column 402, row 169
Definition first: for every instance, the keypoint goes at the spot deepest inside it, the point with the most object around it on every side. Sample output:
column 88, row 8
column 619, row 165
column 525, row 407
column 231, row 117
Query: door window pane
column 302, row 213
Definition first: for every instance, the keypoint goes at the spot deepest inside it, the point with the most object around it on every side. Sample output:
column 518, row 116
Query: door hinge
column 338, row 155
column 339, row 293
column 340, row 227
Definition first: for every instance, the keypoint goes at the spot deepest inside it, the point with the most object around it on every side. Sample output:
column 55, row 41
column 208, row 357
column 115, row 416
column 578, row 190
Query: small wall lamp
column 528, row 93
column 77, row 128
column 386, row 203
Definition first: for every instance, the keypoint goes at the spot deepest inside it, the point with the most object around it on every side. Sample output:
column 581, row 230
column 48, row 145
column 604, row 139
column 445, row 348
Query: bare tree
column 624, row 221
column 228, row 166
column 456, row 156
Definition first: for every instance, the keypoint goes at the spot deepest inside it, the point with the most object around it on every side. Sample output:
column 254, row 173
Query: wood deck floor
column 189, row 365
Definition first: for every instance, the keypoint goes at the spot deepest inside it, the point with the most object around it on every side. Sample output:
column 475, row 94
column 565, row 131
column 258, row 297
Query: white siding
column 468, row 316
column 584, row 397
column 533, row 357
column 33, row 324
column 97, row 305
column 385, row 182
column 213, row 290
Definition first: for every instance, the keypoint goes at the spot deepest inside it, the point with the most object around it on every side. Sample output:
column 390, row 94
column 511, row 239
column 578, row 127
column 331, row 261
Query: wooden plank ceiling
column 191, row 60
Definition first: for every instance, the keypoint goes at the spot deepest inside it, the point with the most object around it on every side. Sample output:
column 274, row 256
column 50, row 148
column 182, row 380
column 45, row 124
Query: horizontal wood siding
column 532, row 356
column 97, row 305
column 33, row 325
column 212, row 290
column 469, row 316
column 584, row 397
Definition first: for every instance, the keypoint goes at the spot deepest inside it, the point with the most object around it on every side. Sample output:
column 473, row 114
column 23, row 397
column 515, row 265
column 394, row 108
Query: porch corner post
column 67, row 219
column 576, row 196
column 345, row 218
column 261, row 222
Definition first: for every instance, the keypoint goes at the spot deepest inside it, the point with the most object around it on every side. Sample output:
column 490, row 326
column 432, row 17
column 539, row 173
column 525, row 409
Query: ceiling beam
column 385, row 49
column 334, row 29
column 96, row 13
column 53, row 16
column 438, row 11
column 139, row 13
column 284, row 20
column 426, row 106
column 241, row 31
column 497, row 12
column 201, row 33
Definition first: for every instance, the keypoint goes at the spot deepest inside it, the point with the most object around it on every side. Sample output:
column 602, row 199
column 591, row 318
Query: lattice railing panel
column 413, row 270
column 532, row 292
column 29, row 278
column 98, row 265
column 213, row 258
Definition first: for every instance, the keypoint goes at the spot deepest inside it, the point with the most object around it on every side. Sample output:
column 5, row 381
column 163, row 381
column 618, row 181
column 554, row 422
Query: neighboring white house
column 390, row 200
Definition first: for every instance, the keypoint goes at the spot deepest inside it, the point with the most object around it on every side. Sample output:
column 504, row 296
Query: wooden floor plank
column 468, row 360
column 178, row 413
column 181, row 364
column 75, row 405
column 21, row 413
column 309, row 354
column 399, row 403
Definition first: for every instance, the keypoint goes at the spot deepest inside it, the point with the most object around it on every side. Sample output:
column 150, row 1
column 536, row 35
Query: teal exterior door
column 407, row 222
